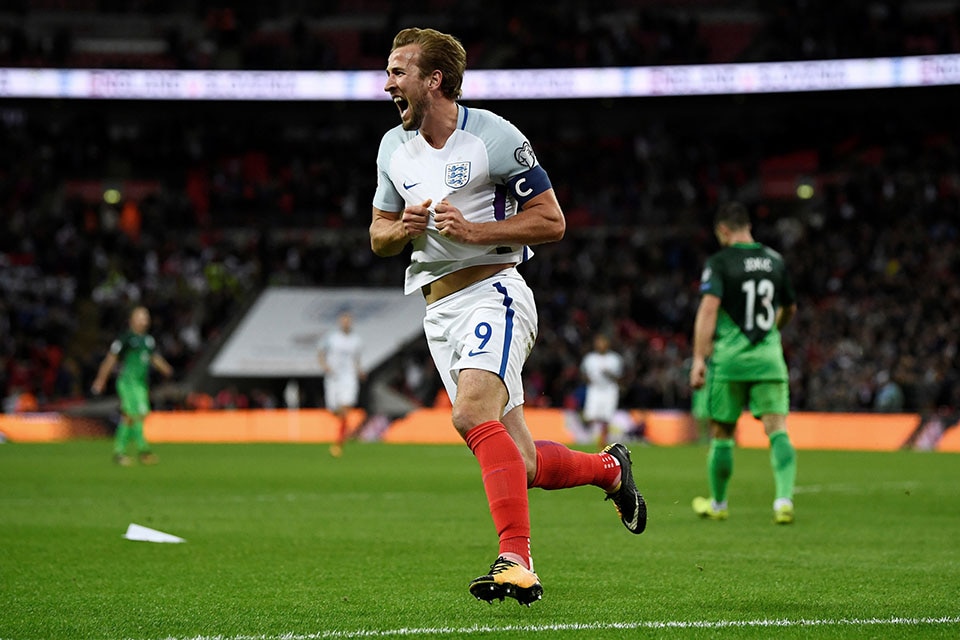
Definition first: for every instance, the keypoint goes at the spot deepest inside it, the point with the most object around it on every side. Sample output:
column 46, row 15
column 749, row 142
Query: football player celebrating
column 464, row 188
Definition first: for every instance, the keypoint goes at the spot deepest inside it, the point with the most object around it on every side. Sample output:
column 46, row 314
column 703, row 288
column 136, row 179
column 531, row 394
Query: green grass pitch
column 285, row 542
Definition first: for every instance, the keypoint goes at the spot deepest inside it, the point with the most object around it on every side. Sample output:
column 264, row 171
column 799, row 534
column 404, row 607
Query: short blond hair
column 438, row 52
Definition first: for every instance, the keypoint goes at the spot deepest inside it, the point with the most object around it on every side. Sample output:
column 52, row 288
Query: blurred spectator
column 889, row 397
column 20, row 400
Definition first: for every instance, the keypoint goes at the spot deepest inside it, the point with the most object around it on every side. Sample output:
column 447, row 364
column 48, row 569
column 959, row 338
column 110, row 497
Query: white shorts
column 339, row 393
column 600, row 403
column 490, row 325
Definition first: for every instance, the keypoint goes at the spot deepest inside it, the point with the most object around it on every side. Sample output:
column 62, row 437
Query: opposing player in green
column 747, row 297
column 135, row 350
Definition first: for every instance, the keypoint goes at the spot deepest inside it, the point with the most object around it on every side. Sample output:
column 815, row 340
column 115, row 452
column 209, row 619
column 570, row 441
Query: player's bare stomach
column 453, row 282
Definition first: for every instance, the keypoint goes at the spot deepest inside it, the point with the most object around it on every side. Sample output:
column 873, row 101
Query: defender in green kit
column 747, row 297
column 135, row 351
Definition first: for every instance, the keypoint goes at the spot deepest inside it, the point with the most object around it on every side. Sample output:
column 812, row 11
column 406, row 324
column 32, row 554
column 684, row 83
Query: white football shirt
column 603, row 393
column 342, row 351
column 598, row 367
column 486, row 169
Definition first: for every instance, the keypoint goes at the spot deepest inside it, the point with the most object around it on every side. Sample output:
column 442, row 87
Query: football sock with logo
column 783, row 459
column 720, row 467
column 505, row 482
column 121, row 438
column 559, row 467
column 136, row 431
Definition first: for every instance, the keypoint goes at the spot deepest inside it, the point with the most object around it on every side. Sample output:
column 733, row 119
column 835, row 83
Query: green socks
column 121, row 438
column 783, row 459
column 136, row 430
column 720, row 467
column 124, row 433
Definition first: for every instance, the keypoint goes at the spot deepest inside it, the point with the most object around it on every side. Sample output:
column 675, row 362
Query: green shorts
column 728, row 399
column 134, row 399
column 699, row 406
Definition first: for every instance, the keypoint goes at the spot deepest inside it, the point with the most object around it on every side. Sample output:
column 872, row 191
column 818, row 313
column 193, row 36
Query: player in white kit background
column 603, row 369
column 339, row 356
column 464, row 188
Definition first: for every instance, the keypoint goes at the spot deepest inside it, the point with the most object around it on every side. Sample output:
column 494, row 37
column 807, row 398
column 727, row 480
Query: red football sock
column 505, row 481
column 559, row 467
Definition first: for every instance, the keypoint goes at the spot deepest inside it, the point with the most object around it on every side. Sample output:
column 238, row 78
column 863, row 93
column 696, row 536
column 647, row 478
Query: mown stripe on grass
column 593, row 626
column 858, row 488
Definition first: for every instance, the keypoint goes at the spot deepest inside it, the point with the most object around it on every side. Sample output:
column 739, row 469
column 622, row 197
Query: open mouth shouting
column 409, row 115
column 403, row 105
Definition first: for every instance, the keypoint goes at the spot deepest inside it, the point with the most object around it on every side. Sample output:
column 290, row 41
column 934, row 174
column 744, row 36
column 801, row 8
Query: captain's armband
column 529, row 184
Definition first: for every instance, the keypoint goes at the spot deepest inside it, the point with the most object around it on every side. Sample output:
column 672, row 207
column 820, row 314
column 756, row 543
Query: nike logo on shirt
column 410, row 186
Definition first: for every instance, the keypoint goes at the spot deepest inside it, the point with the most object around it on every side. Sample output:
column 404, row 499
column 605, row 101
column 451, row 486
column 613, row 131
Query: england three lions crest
column 457, row 174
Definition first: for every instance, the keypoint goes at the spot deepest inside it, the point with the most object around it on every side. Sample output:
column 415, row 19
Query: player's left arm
column 161, row 364
column 514, row 166
column 539, row 221
column 788, row 303
column 785, row 315
column 617, row 373
column 361, row 374
column 704, row 328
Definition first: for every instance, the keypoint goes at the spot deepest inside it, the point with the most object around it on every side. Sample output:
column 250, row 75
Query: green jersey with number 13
column 752, row 283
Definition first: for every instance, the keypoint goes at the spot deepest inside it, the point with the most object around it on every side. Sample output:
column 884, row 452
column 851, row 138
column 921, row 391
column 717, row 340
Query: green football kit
column 747, row 367
column 134, row 352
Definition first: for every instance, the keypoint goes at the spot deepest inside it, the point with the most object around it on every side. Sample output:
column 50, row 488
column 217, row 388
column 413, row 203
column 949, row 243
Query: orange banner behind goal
column 839, row 431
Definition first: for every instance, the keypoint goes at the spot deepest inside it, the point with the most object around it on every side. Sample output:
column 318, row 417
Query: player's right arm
column 704, row 328
column 390, row 232
column 109, row 362
column 394, row 223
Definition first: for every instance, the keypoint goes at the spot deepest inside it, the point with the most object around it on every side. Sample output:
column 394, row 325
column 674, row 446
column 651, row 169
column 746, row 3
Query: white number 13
column 765, row 318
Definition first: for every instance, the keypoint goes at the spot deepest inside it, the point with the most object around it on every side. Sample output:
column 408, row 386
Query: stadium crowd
column 191, row 209
column 201, row 34
column 229, row 208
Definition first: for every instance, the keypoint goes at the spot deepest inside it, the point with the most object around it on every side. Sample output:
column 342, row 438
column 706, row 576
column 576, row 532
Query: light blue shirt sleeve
column 512, row 160
column 386, row 197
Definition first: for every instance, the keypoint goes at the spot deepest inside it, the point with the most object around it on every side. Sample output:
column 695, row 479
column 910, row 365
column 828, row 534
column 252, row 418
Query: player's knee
column 723, row 430
column 467, row 415
column 773, row 423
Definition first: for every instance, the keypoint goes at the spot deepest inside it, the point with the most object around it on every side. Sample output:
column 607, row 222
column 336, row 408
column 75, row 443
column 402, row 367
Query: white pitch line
column 857, row 488
column 594, row 626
